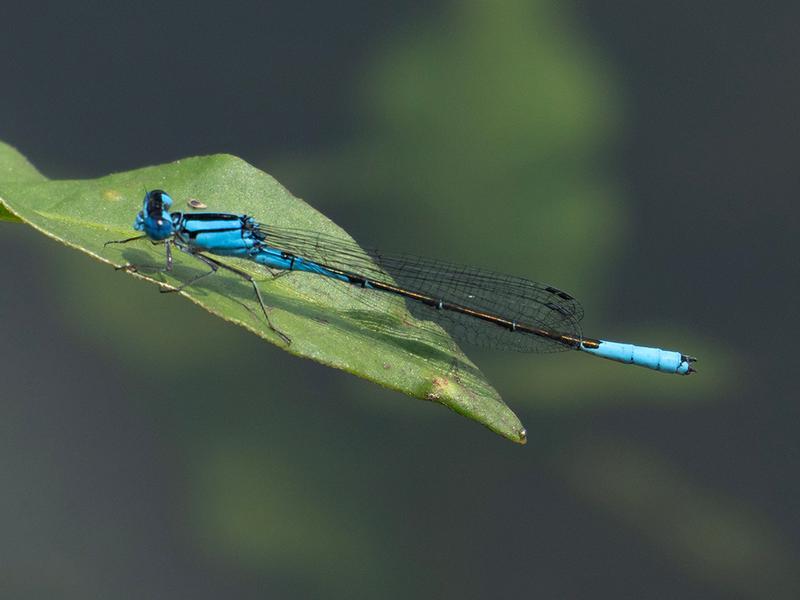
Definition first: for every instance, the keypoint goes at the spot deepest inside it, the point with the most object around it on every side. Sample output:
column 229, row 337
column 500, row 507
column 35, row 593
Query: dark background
column 642, row 155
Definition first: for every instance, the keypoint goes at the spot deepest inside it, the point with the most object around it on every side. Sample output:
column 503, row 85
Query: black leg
column 214, row 265
column 248, row 277
column 169, row 256
column 196, row 278
column 277, row 272
column 136, row 268
column 133, row 239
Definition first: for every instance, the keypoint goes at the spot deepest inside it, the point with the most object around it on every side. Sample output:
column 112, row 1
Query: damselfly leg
column 215, row 265
column 133, row 239
column 135, row 268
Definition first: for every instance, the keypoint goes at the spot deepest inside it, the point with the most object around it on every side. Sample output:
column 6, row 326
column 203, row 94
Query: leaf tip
column 523, row 436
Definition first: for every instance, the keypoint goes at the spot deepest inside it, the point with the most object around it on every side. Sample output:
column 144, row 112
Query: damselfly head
column 154, row 219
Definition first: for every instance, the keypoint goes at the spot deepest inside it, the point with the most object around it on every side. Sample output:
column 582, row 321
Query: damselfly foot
column 129, row 268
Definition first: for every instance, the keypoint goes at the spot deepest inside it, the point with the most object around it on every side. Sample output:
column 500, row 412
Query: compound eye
column 158, row 201
column 161, row 198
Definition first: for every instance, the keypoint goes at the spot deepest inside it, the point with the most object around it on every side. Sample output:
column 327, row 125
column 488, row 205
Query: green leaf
column 15, row 167
column 380, row 342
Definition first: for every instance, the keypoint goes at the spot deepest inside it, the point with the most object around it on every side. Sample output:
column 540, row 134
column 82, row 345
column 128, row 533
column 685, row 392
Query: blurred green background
column 641, row 156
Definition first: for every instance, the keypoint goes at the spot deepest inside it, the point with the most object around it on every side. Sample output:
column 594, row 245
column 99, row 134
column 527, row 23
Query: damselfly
column 473, row 305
